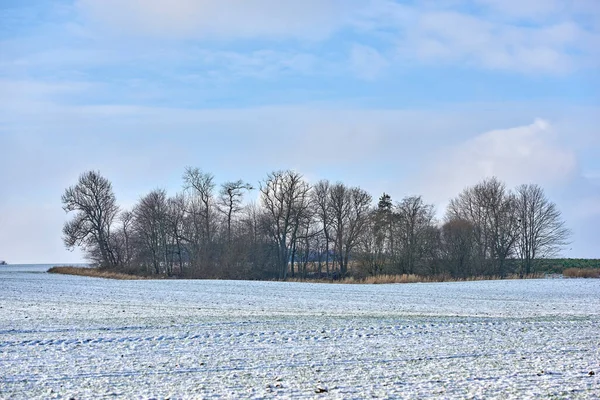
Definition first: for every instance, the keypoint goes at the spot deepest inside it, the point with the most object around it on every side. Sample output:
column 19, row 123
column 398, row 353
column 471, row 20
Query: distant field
column 67, row 336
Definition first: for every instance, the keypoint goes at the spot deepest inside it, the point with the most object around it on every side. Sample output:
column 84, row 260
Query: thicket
column 324, row 231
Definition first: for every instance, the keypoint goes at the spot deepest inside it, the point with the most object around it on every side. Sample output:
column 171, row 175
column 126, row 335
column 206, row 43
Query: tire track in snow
column 296, row 335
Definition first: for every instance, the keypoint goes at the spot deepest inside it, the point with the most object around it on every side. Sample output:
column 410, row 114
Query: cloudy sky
column 407, row 97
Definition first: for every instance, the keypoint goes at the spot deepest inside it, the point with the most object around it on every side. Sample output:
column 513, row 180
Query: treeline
column 326, row 230
column 559, row 265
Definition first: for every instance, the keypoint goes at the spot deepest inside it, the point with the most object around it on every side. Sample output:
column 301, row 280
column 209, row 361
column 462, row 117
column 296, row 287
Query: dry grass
column 94, row 273
column 371, row 280
column 411, row 278
column 404, row 278
column 582, row 273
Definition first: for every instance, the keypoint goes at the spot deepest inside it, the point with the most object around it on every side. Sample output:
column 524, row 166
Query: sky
column 403, row 97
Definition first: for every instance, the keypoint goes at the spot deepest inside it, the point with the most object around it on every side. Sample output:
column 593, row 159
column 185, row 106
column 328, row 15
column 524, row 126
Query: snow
column 66, row 336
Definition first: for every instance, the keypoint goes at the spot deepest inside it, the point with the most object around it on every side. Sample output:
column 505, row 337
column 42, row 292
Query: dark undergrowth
column 379, row 279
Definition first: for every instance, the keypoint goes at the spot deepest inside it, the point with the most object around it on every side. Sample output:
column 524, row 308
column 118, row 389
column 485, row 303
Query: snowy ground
column 75, row 337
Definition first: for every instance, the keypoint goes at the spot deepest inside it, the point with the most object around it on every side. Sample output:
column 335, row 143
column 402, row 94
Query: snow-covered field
column 75, row 337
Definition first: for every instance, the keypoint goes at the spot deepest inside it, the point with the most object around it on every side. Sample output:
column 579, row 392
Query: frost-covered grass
column 66, row 336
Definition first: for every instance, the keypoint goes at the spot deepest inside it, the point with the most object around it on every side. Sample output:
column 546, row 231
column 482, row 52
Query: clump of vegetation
column 94, row 272
column 315, row 231
column 582, row 273
column 559, row 265
column 370, row 280
column 412, row 278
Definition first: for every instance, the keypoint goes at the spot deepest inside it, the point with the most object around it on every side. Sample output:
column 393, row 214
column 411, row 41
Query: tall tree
column 151, row 225
column 125, row 240
column 383, row 231
column 350, row 211
column 285, row 198
column 200, row 187
column 176, row 214
column 502, row 224
column 415, row 218
column 458, row 246
column 322, row 213
column 94, row 203
column 230, row 201
column 491, row 209
column 468, row 206
column 542, row 232
column 295, row 227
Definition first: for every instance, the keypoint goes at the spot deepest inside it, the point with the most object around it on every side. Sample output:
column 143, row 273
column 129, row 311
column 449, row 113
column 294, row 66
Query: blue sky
column 405, row 97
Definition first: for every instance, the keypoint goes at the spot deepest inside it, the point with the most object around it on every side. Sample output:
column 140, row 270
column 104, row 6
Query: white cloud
column 588, row 207
column 310, row 19
column 258, row 64
column 541, row 9
column 366, row 62
column 525, row 154
column 491, row 36
column 551, row 37
column 34, row 90
column 529, row 9
column 455, row 37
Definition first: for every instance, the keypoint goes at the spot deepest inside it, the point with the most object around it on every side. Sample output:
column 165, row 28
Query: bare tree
column 383, row 230
column 415, row 218
column 458, row 246
column 491, row 208
column 322, row 212
column 200, row 186
column 542, row 232
column 230, row 200
column 93, row 201
column 257, row 243
column 285, row 198
column 370, row 252
column 502, row 223
column 127, row 218
column 297, row 227
column 468, row 206
column 303, row 237
column 176, row 213
column 350, row 209
column 151, row 226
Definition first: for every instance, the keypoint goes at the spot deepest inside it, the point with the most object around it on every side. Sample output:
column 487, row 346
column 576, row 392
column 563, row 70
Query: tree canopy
column 326, row 230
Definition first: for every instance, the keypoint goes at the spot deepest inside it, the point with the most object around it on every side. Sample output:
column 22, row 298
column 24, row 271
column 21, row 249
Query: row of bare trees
column 322, row 230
